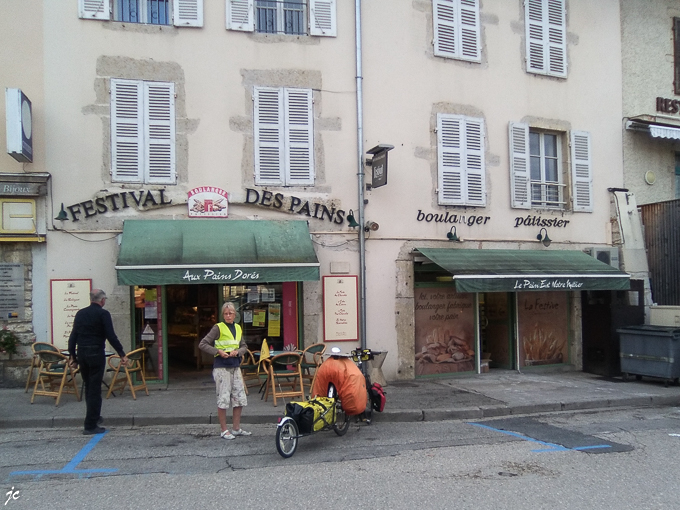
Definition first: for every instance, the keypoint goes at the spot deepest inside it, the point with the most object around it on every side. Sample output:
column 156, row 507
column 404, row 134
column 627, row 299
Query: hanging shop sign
column 19, row 113
column 142, row 199
column 207, row 202
column 295, row 205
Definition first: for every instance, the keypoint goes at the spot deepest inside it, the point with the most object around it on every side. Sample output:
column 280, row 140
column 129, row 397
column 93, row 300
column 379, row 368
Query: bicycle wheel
column 286, row 437
column 341, row 425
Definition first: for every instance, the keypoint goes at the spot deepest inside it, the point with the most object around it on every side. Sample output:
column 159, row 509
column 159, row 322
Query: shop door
column 495, row 326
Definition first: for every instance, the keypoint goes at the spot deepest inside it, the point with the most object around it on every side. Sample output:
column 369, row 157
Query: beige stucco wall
column 405, row 86
column 647, row 57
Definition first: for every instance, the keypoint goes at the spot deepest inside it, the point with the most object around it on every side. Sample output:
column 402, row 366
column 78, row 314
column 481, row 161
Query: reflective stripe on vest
column 226, row 342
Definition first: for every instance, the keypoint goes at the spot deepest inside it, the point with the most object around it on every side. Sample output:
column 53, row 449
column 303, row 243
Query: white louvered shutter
column 299, row 137
column 94, row 9
column 582, row 171
column 450, row 155
column 240, row 15
column 475, row 185
column 457, row 29
column 159, row 139
column 127, row 136
column 520, row 169
column 187, row 13
column 322, row 18
column 445, row 29
column 546, row 44
column 269, row 136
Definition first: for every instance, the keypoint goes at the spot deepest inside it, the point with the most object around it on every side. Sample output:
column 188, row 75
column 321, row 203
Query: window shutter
column 557, row 38
column 450, row 156
column 268, row 116
column 299, row 140
column 127, row 138
column 322, row 19
column 474, row 162
column 94, row 9
column 582, row 172
column 546, row 37
column 240, row 15
column 469, row 30
column 444, row 19
column 188, row 13
column 520, row 170
column 159, row 136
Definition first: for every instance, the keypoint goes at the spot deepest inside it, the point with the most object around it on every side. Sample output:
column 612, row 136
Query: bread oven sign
column 207, row 202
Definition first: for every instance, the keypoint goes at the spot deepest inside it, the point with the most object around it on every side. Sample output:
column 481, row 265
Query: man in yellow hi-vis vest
column 225, row 342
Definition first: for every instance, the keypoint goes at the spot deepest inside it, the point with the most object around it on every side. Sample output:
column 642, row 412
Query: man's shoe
column 96, row 430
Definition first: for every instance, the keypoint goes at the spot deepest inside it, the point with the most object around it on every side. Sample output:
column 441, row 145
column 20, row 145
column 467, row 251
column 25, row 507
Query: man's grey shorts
column 230, row 388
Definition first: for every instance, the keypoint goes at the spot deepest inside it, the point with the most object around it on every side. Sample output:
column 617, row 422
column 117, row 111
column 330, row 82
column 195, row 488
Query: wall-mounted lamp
column 371, row 226
column 451, row 235
column 62, row 214
column 351, row 220
column 544, row 238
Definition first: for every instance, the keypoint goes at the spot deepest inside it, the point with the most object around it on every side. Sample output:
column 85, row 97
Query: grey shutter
column 240, row 15
column 187, row 13
column 299, row 137
column 268, row 137
column 322, row 18
column 127, row 136
column 94, row 9
column 159, row 136
column 475, row 183
column 450, row 155
column 520, row 169
column 582, row 173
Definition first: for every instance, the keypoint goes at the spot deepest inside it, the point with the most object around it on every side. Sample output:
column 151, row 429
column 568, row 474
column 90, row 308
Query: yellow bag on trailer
column 313, row 414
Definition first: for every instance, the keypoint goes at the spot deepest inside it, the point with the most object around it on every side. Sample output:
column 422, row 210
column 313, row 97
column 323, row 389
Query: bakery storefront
column 180, row 272
column 477, row 310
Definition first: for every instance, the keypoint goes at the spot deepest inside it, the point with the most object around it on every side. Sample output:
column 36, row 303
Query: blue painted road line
column 70, row 468
column 551, row 446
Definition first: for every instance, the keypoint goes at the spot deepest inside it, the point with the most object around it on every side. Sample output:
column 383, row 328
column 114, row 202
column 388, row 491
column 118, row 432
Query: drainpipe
column 360, row 177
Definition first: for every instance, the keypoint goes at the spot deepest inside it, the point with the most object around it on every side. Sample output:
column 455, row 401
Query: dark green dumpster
column 652, row 351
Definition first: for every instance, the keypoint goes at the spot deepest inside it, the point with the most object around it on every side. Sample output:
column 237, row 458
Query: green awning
column 526, row 270
column 169, row 252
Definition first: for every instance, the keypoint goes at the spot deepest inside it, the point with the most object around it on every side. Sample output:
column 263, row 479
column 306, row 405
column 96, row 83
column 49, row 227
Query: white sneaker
column 227, row 435
column 241, row 432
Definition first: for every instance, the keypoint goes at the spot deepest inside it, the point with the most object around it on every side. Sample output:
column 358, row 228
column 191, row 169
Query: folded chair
column 312, row 357
column 134, row 366
column 285, row 372
column 35, row 360
column 55, row 376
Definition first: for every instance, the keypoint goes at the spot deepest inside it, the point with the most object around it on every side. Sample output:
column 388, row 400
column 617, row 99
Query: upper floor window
column 294, row 17
column 460, row 160
column 284, row 136
column 142, row 131
column 456, row 29
column 546, row 37
column 181, row 13
column 537, row 175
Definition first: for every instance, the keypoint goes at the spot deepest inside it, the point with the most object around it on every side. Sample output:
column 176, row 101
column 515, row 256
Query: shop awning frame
column 526, row 270
column 203, row 251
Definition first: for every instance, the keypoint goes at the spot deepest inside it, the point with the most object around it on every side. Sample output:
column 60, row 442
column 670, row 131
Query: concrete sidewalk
column 498, row 393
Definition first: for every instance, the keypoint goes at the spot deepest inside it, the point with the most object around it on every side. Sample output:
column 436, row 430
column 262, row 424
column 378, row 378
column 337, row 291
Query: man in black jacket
column 92, row 326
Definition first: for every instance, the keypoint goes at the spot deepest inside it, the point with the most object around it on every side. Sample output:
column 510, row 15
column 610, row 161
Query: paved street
column 482, row 464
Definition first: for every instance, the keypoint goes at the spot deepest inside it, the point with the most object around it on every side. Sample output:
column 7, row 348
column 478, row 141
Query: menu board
column 11, row 291
column 67, row 297
column 445, row 338
column 340, row 308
